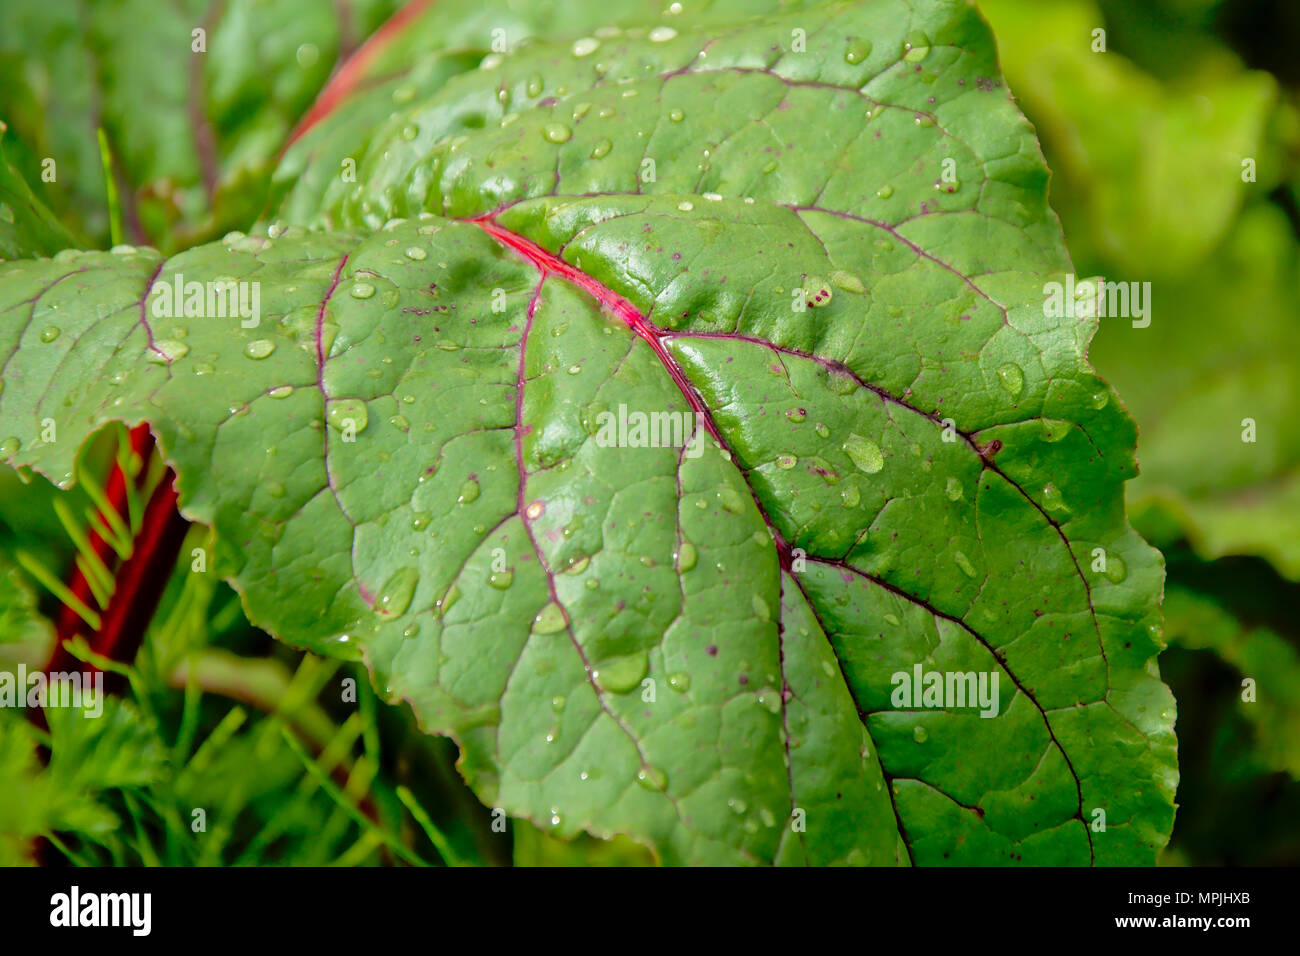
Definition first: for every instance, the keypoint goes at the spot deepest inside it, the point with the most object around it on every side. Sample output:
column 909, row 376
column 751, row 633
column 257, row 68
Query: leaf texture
column 690, row 642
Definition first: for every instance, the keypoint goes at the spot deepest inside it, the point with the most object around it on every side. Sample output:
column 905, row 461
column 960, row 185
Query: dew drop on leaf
column 549, row 620
column 557, row 132
column 259, row 348
column 501, row 579
column 345, row 411
column 864, row 453
column 917, row 46
column 395, row 596
column 362, row 290
column 687, row 556
column 857, row 51
column 469, row 491
column 9, row 447
column 1011, row 378
column 281, row 391
column 680, row 682
column 618, row 675
column 964, row 563
column 652, row 778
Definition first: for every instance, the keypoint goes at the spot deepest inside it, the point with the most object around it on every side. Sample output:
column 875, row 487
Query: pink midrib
column 547, row 263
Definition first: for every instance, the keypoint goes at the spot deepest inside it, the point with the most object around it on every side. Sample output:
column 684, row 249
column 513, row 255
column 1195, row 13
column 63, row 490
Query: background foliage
column 1145, row 142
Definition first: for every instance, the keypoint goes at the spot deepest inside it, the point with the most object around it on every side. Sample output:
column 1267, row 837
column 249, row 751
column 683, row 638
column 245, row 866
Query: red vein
column 350, row 76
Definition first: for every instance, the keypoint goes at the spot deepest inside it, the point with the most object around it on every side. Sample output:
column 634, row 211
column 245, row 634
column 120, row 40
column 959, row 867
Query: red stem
column 70, row 623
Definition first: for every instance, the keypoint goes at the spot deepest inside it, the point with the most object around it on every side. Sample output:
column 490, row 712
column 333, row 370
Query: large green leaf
column 194, row 122
column 693, row 646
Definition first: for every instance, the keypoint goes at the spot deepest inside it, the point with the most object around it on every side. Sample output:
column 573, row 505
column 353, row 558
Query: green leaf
column 1220, row 460
column 27, row 228
column 415, row 455
column 196, row 160
column 1152, row 173
column 20, row 621
column 1261, row 656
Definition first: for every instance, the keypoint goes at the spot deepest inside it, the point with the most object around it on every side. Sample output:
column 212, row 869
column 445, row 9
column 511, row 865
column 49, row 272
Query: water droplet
column 557, row 132
column 652, row 778
column 676, row 114
column 686, row 205
column 864, row 453
column 770, row 698
column 1012, row 379
column 275, row 489
column 885, row 191
column 601, row 149
column 469, row 491
column 395, row 596
column 850, row 497
column 662, row 34
column 50, row 333
column 680, row 682
column 167, row 350
column 502, row 579
column 1099, row 399
column 964, row 563
column 687, row 556
column 786, row 462
column 345, row 410
column 1052, row 499
column 618, row 675
column 585, row 46
column 857, row 51
column 259, row 348
column 9, row 447
column 954, row 490
column 822, row 431
column 848, row 282
column 281, row 391
column 446, row 601
column 557, row 703
column 416, row 253
column 1053, row 430
column 731, row 500
column 549, row 619
column 1116, row 569
column 817, row 291
column 534, row 85
column 362, row 290
column 917, row 46
column 919, row 734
